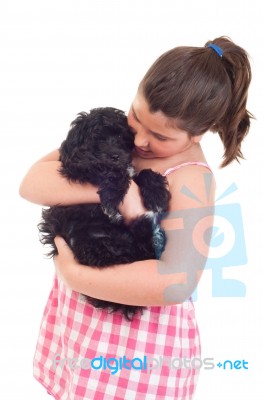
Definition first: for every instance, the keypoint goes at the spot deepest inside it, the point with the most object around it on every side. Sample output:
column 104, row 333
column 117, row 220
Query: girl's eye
column 161, row 138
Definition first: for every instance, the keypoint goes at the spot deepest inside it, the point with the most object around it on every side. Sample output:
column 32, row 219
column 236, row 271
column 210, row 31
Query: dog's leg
column 153, row 187
column 112, row 192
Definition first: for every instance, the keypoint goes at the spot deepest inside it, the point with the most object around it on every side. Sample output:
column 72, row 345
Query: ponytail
column 234, row 125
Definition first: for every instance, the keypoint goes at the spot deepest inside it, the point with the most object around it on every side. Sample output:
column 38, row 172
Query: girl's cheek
column 132, row 124
column 130, row 119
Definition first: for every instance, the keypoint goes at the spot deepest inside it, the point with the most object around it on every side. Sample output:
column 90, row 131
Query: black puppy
column 98, row 149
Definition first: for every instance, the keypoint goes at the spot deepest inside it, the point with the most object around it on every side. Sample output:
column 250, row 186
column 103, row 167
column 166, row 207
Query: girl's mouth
column 141, row 152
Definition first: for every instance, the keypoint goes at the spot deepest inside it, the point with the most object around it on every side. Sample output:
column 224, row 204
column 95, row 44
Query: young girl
column 86, row 353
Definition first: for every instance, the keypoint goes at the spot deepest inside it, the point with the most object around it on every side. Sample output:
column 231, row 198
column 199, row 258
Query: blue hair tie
column 217, row 49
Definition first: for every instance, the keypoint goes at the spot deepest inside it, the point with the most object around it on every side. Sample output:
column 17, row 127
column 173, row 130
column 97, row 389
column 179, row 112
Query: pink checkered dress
column 76, row 342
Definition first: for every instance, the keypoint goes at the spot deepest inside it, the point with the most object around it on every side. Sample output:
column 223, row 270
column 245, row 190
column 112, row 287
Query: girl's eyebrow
column 134, row 113
column 154, row 133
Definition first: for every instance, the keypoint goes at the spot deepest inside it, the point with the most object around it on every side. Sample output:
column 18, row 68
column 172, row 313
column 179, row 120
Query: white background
column 62, row 57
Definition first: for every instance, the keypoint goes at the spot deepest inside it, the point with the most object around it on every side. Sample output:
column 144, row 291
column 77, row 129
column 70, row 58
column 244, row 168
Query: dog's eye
column 114, row 157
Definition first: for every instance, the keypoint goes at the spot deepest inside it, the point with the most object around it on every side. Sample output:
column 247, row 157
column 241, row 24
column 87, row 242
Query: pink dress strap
column 169, row 170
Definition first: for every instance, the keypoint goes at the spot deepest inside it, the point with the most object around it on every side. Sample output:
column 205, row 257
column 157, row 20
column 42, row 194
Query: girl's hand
column 132, row 206
column 65, row 258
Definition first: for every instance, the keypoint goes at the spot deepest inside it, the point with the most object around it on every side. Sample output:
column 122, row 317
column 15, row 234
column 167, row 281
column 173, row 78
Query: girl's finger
column 60, row 243
column 64, row 251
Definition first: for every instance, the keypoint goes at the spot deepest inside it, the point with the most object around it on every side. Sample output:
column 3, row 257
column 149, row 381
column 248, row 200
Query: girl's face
column 154, row 137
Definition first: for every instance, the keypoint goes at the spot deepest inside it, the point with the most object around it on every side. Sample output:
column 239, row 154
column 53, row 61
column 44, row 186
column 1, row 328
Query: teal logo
column 209, row 238
column 236, row 365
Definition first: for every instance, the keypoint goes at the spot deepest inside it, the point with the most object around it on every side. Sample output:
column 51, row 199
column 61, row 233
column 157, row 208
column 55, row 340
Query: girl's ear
column 196, row 139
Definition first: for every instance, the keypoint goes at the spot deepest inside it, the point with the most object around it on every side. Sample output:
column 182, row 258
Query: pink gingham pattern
column 73, row 330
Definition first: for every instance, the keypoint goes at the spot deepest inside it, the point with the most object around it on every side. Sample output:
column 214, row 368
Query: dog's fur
column 98, row 149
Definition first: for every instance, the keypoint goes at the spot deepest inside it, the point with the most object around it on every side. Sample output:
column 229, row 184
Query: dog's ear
column 79, row 129
column 75, row 151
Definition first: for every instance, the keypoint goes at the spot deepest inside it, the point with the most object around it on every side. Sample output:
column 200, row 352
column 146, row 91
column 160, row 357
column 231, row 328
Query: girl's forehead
column 141, row 109
column 157, row 121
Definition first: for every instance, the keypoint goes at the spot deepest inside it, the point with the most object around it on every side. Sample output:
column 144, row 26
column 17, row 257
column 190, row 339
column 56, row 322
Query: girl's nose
column 141, row 139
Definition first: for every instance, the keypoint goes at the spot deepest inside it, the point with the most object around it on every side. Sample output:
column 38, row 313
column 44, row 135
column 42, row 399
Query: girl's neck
column 160, row 165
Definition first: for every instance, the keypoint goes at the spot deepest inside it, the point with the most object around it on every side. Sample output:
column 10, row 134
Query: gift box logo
column 209, row 238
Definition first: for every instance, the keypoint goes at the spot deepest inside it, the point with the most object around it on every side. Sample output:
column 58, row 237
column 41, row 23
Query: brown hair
column 201, row 91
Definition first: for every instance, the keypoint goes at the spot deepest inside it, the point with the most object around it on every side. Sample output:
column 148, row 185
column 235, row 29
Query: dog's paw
column 111, row 192
column 112, row 214
column 154, row 190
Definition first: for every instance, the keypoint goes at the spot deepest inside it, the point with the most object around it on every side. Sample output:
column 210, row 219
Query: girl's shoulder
column 191, row 185
column 187, row 164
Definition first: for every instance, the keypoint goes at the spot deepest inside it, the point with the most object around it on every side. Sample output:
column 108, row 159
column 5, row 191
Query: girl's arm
column 174, row 277
column 43, row 184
